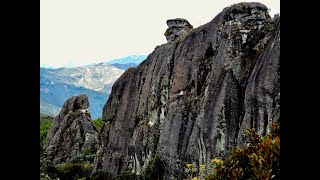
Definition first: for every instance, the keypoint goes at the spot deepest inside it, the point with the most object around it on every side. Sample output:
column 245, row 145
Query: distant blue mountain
column 57, row 93
column 135, row 59
column 95, row 80
column 58, row 85
column 125, row 66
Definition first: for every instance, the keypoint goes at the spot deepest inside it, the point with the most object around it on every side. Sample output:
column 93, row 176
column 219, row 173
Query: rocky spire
column 72, row 135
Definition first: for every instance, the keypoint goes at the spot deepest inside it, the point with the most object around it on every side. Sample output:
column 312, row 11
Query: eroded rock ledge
column 177, row 28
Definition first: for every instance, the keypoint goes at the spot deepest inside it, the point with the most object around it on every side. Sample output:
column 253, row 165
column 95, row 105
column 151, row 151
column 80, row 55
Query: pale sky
column 80, row 32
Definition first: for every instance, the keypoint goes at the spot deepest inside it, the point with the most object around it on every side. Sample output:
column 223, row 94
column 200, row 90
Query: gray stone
column 190, row 101
column 177, row 22
column 72, row 133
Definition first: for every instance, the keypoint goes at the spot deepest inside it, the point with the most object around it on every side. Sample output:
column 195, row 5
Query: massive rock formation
column 191, row 99
column 177, row 28
column 72, row 135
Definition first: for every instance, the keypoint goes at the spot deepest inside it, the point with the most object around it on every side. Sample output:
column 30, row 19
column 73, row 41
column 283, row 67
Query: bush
column 68, row 171
column 128, row 176
column 49, row 170
column 45, row 125
column 78, row 159
column 87, row 151
column 74, row 115
column 74, row 171
column 98, row 123
column 101, row 176
column 154, row 169
column 44, row 176
column 259, row 159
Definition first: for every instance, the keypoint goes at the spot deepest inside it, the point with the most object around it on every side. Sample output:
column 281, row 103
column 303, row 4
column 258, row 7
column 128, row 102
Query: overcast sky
column 80, row 32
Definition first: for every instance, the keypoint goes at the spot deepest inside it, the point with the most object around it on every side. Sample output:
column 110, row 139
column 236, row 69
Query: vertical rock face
column 72, row 133
column 262, row 100
column 190, row 100
column 177, row 28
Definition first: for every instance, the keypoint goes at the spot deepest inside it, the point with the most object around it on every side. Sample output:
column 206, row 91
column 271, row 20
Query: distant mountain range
column 135, row 59
column 95, row 80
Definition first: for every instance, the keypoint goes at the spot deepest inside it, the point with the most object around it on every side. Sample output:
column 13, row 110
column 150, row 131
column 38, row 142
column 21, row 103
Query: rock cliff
column 191, row 99
column 72, row 136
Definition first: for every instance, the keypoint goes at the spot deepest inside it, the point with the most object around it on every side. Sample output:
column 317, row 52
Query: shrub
column 154, row 169
column 78, row 159
column 49, row 170
column 44, row 176
column 259, row 159
column 191, row 171
column 101, row 176
column 128, row 176
column 45, row 125
column 74, row 115
column 68, row 171
column 87, row 151
column 98, row 123
column 74, row 171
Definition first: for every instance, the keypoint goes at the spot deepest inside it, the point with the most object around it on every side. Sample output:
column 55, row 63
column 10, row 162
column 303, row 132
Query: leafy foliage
column 128, row 176
column 87, row 151
column 72, row 171
column 74, row 115
column 44, row 176
column 45, row 125
column 98, row 123
column 99, row 175
column 68, row 171
column 259, row 159
column 154, row 168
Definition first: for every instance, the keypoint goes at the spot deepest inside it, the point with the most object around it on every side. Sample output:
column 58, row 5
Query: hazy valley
column 96, row 80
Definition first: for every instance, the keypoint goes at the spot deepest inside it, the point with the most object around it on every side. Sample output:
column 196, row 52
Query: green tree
column 45, row 125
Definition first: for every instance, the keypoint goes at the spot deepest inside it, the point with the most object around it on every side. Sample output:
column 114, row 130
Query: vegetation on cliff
column 45, row 124
column 98, row 123
column 258, row 159
column 79, row 168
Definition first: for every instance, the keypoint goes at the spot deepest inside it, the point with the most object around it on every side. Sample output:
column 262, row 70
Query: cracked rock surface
column 191, row 100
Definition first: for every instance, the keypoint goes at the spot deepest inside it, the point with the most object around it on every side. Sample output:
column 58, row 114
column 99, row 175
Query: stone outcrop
column 191, row 99
column 72, row 136
column 177, row 28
